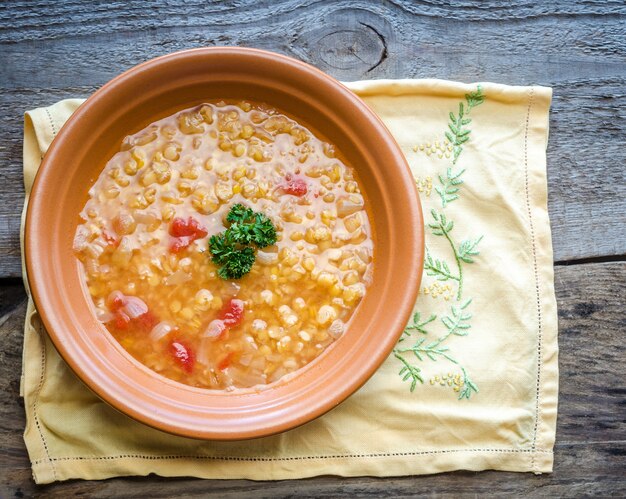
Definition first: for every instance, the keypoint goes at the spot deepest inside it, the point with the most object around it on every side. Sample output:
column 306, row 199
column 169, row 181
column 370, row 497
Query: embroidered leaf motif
column 475, row 98
column 416, row 325
column 408, row 371
column 468, row 387
column 442, row 225
column 438, row 268
column 467, row 249
column 459, row 134
column 457, row 320
column 432, row 351
column 448, row 191
column 456, row 323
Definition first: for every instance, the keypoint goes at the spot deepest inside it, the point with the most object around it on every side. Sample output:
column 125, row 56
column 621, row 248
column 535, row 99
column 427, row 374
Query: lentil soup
column 144, row 233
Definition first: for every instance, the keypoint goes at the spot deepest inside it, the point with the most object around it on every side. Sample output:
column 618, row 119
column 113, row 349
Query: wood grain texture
column 54, row 50
column 591, row 431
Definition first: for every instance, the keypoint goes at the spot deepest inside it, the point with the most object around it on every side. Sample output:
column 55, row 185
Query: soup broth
column 143, row 240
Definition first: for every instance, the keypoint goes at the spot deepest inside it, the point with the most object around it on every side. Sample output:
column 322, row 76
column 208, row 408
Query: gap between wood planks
column 594, row 259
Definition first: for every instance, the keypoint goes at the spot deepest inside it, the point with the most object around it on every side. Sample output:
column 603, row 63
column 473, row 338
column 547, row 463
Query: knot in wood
column 360, row 49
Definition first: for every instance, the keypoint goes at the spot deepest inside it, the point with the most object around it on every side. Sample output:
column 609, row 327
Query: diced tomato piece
column 121, row 320
column 295, row 186
column 181, row 227
column 147, row 321
column 226, row 361
column 232, row 313
column 180, row 243
column 184, row 355
column 198, row 231
column 185, row 231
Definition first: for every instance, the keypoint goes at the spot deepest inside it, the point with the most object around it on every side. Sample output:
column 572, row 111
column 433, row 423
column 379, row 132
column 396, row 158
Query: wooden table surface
column 59, row 49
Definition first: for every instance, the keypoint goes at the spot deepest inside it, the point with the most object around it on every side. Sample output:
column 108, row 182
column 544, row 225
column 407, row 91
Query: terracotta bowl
column 159, row 88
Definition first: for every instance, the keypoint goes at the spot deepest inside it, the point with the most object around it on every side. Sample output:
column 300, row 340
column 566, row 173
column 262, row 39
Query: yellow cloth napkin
column 473, row 383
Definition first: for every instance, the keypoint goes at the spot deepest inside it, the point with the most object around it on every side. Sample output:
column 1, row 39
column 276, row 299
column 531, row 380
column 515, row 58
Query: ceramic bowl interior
column 159, row 88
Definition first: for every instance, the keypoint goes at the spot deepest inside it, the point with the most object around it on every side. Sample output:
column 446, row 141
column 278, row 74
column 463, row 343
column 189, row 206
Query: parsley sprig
column 232, row 249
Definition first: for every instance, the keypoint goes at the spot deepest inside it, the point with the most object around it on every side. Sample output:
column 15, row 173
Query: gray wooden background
column 58, row 49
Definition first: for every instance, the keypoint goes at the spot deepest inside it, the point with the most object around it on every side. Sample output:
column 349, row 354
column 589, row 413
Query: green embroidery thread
column 463, row 253
column 456, row 324
column 408, row 371
column 417, row 325
column 458, row 135
column 438, row 268
column 457, row 320
column 448, row 191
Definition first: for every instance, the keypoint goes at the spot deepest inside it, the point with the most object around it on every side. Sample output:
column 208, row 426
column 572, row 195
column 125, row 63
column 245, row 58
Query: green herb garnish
column 232, row 248
column 238, row 265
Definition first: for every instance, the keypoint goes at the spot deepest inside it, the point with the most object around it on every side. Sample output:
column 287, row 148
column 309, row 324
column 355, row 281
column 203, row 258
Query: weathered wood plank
column 49, row 51
column 591, row 433
column 38, row 20
column 463, row 39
